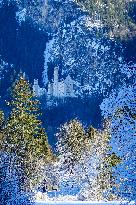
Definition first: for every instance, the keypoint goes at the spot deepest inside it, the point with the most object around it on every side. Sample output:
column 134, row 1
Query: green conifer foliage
column 71, row 139
column 104, row 182
column 23, row 134
column 1, row 128
column 86, row 160
column 1, row 118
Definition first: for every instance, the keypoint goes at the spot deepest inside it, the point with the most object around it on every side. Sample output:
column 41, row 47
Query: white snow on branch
column 21, row 15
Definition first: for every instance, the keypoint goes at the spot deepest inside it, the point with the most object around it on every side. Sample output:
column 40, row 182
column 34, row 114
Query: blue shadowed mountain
column 36, row 37
column 21, row 44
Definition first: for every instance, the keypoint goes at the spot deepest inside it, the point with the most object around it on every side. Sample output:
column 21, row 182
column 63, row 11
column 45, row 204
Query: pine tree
column 23, row 133
column 1, row 118
column 1, row 128
column 70, row 140
column 85, row 161
column 120, row 107
column 10, row 175
column 96, row 166
column 70, row 143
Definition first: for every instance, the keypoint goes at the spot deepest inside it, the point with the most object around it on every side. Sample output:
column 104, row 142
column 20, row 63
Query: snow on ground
column 84, row 203
column 44, row 199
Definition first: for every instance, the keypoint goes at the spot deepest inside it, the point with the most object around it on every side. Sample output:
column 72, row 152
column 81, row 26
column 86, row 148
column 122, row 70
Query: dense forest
column 118, row 16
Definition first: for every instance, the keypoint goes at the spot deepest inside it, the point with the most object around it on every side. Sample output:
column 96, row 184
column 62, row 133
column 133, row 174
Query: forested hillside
column 117, row 16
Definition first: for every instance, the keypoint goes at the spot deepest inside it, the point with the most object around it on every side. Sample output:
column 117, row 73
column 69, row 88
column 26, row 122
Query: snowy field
column 84, row 203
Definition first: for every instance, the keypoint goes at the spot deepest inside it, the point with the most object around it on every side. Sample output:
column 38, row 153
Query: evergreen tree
column 85, row 161
column 10, row 175
column 1, row 118
column 120, row 107
column 70, row 143
column 23, row 133
column 103, row 182
column 96, row 166
column 1, row 127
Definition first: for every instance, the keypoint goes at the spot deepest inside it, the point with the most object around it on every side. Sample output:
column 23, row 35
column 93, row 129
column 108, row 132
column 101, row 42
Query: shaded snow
column 89, row 58
column 85, row 202
column 3, row 66
column 21, row 15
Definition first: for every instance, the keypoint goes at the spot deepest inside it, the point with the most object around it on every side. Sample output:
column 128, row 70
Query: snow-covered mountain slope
column 77, row 44
column 3, row 66
column 80, row 49
column 21, row 43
